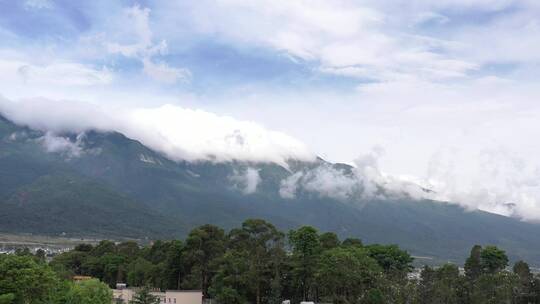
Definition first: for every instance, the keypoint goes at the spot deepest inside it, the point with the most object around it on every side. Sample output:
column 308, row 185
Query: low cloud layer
column 502, row 183
column 177, row 132
column 60, row 144
column 364, row 181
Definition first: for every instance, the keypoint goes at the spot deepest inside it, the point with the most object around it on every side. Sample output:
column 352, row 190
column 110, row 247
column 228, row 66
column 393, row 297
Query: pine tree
column 143, row 296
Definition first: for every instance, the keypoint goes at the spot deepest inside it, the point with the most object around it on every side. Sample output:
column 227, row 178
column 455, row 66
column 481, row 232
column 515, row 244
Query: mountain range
column 104, row 184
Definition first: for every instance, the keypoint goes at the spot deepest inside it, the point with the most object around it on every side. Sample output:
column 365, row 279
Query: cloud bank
column 177, row 132
column 363, row 181
column 503, row 183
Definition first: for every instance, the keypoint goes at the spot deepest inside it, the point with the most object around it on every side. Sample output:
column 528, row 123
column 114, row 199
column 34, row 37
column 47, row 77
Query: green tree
column 40, row 255
column 473, row 264
column 129, row 250
column 258, row 243
column 306, row 249
column 329, row 240
column 395, row 262
column 525, row 292
column 26, row 280
column 70, row 263
column 113, row 268
column 345, row 275
column 139, row 272
column 7, row 298
column 103, row 248
column 89, row 292
column 352, row 242
column 166, row 257
column 230, row 285
column 443, row 285
column 493, row 259
column 494, row 288
column 83, row 248
column 174, row 266
column 143, row 296
column 204, row 246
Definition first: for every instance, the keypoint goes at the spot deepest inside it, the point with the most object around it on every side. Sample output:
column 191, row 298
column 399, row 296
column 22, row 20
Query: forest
column 257, row 263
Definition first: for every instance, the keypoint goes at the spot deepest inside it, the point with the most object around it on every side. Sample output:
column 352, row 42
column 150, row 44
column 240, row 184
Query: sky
column 444, row 93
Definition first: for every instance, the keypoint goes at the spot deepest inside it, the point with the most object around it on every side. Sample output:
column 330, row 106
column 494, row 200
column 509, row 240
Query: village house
column 122, row 294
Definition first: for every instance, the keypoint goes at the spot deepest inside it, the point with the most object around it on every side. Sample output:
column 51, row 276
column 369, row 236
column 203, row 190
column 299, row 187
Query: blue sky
column 213, row 48
column 448, row 89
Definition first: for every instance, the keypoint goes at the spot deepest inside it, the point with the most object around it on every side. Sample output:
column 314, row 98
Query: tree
column 143, row 296
column 329, row 240
column 83, row 248
column 306, row 249
column 103, row 248
column 443, row 285
column 230, row 285
column 40, row 255
column 352, row 242
column 174, row 267
column 259, row 242
column 525, row 292
column 345, row 275
column 493, row 259
column 26, row 280
column 112, row 268
column 69, row 263
column 129, row 249
column 494, row 288
column 428, row 279
column 7, row 298
column 166, row 258
column 473, row 264
column 394, row 261
column 204, row 246
column 139, row 272
column 89, row 292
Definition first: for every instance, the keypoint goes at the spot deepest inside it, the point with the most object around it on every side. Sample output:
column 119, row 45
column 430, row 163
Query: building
column 124, row 294
column 80, row 278
column 181, row 296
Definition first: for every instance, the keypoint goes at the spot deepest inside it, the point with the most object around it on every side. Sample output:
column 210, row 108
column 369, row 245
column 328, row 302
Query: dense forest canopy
column 257, row 263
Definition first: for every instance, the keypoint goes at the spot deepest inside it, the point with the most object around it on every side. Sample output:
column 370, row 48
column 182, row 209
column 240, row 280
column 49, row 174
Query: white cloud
column 138, row 42
column 364, row 182
column 38, row 4
column 59, row 144
column 55, row 74
column 164, row 73
column 341, row 35
column 289, row 185
column 196, row 134
column 247, row 181
column 502, row 182
column 179, row 133
column 425, row 17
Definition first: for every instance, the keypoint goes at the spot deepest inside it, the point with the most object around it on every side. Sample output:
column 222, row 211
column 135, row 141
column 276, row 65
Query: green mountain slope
column 61, row 203
column 116, row 186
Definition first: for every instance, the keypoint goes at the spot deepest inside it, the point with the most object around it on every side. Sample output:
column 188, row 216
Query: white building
column 170, row 296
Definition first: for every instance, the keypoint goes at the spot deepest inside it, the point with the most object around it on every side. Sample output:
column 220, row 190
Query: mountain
column 105, row 184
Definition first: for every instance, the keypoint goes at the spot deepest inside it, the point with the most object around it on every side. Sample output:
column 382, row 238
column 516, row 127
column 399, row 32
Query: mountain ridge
column 141, row 193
